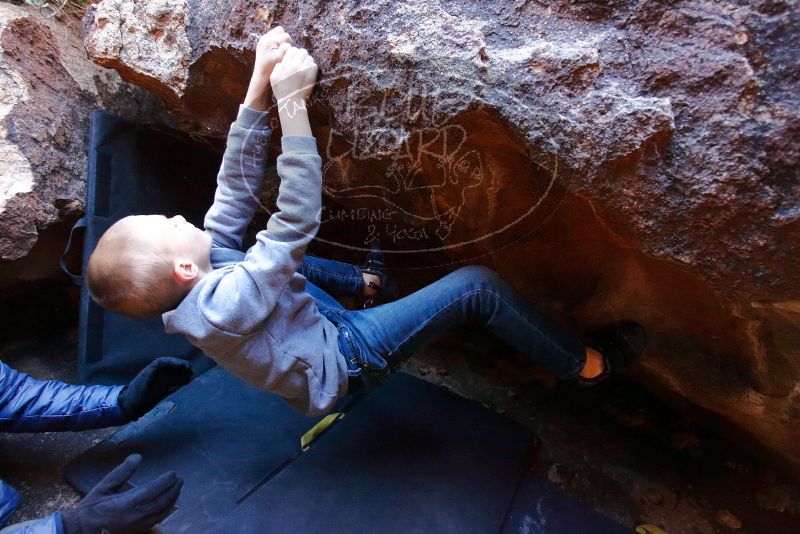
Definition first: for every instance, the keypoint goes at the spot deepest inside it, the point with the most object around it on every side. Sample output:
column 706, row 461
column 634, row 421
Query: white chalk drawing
column 422, row 182
column 458, row 171
column 291, row 106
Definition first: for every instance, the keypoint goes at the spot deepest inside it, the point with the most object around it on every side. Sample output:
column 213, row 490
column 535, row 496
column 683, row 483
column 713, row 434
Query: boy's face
column 178, row 238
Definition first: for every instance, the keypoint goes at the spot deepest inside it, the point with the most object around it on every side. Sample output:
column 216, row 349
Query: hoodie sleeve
column 240, row 179
column 238, row 299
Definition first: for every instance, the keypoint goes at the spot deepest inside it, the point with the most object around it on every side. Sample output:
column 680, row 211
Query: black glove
column 108, row 507
column 153, row 383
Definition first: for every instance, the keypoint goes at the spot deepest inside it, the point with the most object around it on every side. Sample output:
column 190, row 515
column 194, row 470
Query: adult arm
column 31, row 405
column 46, row 525
column 9, row 502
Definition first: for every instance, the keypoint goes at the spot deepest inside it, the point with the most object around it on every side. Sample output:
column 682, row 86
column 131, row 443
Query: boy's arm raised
column 279, row 249
column 238, row 300
column 299, row 166
column 241, row 175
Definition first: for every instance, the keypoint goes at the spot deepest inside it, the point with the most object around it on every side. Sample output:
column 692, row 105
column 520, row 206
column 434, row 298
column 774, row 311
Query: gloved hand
column 153, row 383
column 111, row 508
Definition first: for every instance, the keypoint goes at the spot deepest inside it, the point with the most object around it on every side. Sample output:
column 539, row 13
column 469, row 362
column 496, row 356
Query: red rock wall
column 48, row 89
column 610, row 159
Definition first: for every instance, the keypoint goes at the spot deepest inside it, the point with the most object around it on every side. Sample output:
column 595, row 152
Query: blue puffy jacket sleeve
column 30, row 405
column 9, row 501
column 46, row 525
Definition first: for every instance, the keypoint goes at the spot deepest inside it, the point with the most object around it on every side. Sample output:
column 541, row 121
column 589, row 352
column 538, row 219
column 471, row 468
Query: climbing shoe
column 620, row 344
column 388, row 290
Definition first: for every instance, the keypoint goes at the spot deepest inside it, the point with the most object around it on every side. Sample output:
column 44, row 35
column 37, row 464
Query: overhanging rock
column 619, row 160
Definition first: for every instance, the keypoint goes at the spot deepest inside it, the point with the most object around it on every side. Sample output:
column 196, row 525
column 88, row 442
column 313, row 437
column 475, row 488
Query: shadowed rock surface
column 49, row 88
column 610, row 159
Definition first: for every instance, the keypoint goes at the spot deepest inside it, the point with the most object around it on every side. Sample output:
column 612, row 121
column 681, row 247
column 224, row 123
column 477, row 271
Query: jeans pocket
column 368, row 361
column 348, row 350
column 374, row 369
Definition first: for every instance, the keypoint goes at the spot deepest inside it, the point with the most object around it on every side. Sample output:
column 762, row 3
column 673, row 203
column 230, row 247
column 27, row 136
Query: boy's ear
column 185, row 270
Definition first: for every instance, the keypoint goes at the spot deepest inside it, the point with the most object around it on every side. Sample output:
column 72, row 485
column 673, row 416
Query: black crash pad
column 409, row 457
column 222, row 436
column 135, row 169
column 541, row 508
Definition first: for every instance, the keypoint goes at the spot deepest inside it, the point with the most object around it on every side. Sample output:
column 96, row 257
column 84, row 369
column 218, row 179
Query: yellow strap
column 649, row 529
column 319, row 428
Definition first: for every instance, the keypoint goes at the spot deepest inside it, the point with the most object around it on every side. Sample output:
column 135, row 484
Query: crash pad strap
column 77, row 279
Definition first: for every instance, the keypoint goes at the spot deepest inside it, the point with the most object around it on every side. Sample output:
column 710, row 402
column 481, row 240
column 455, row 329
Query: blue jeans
column 376, row 339
column 334, row 278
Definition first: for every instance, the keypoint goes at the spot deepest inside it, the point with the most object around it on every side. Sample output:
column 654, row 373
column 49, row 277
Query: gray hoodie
column 252, row 314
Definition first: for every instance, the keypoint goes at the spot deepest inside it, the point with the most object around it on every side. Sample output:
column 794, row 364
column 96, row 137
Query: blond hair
column 130, row 274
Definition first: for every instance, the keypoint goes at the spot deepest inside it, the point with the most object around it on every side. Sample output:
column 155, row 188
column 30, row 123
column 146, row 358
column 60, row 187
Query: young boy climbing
column 258, row 317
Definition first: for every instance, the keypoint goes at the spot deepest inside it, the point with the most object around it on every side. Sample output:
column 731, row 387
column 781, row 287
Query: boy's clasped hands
column 290, row 72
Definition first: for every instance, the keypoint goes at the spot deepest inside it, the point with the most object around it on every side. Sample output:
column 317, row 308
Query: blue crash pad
column 222, row 436
column 408, row 457
column 541, row 508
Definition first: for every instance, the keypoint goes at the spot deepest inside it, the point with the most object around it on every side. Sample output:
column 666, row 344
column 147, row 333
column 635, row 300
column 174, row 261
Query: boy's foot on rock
column 388, row 289
column 620, row 344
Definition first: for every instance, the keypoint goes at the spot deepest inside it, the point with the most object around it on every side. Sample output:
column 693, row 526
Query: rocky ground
column 616, row 447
